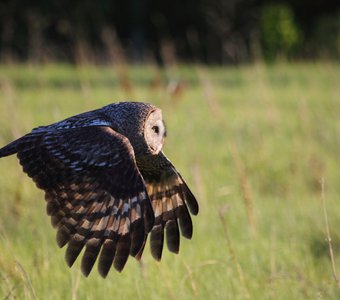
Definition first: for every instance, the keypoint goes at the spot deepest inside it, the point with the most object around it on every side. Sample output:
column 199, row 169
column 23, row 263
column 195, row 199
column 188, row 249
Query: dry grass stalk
column 328, row 235
column 192, row 281
column 198, row 181
column 75, row 286
column 117, row 58
column 86, row 90
column 29, row 290
column 243, row 178
column 10, row 96
column 6, row 287
column 10, row 294
column 83, row 52
column 143, row 270
column 196, row 269
column 17, row 199
column 232, row 252
column 164, row 278
column 245, row 188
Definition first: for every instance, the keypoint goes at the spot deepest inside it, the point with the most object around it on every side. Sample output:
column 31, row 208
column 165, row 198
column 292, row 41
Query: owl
column 108, row 185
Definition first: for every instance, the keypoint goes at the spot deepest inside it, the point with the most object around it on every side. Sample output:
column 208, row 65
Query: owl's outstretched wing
column 170, row 197
column 95, row 194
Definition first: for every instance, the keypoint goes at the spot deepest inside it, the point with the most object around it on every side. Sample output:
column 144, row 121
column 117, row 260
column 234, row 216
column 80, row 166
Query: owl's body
column 108, row 184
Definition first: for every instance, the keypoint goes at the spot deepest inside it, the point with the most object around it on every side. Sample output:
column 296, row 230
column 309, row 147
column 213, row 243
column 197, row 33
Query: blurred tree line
column 208, row 31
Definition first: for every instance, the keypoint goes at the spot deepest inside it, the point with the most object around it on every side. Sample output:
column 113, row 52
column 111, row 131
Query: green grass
column 252, row 142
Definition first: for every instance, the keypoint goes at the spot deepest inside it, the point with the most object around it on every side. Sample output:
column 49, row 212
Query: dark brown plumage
column 108, row 184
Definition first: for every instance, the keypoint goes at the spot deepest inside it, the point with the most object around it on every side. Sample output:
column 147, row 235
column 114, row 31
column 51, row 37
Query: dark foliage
column 214, row 31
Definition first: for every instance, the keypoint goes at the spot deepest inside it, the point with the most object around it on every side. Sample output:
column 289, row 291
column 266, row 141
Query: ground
column 254, row 143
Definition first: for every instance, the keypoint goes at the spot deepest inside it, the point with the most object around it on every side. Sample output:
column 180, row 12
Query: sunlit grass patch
column 253, row 143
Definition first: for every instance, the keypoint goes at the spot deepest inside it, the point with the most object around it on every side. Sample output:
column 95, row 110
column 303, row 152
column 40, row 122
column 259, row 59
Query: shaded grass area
column 253, row 144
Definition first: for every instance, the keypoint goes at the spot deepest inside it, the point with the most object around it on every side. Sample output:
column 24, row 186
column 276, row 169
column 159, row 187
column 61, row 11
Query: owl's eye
column 155, row 129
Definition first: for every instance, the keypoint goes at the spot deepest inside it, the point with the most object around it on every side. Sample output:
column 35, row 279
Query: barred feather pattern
column 108, row 184
column 95, row 200
column 170, row 198
column 86, row 119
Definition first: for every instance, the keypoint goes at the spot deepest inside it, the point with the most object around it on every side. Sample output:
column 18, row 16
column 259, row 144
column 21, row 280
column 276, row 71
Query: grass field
column 253, row 144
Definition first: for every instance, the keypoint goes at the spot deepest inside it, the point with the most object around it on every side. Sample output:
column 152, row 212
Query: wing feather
column 95, row 195
column 99, row 197
column 170, row 198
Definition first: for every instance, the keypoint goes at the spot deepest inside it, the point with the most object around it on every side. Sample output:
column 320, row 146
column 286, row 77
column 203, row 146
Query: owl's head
column 141, row 123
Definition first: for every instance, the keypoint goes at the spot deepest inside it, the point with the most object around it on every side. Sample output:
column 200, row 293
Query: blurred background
column 250, row 94
column 139, row 31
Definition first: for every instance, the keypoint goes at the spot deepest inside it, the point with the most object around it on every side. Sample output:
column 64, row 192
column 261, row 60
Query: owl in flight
column 108, row 184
